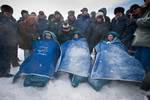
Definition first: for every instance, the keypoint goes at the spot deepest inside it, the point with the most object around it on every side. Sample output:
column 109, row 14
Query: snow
column 61, row 89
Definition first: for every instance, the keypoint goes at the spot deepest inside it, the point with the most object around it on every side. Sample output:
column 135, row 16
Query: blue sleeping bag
column 114, row 63
column 75, row 57
column 42, row 62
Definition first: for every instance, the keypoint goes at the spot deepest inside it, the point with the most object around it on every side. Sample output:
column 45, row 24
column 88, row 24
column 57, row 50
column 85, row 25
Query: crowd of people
column 132, row 28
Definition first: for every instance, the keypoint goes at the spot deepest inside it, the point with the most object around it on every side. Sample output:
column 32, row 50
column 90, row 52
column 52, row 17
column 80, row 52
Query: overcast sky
column 49, row 6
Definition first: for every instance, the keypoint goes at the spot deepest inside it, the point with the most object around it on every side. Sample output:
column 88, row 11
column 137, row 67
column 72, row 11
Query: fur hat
column 66, row 25
column 119, row 9
column 41, row 15
column 57, row 12
column 93, row 13
column 33, row 13
column 100, row 14
column 6, row 8
column 134, row 7
column 24, row 11
column 84, row 9
column 71, row 13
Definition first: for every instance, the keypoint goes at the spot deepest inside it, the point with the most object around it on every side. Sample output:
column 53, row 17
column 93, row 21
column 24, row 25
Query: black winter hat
column 71, row 12
column 84, row 9
column 134, row 7
column 119, row 9
column 41, row 12
column 24, row 11
column 6, row 8
column 57, row 12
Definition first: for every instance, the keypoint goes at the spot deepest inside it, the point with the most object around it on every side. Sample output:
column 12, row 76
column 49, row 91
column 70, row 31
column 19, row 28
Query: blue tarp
column 113, row 63
column 43, row 60
column 75, row 57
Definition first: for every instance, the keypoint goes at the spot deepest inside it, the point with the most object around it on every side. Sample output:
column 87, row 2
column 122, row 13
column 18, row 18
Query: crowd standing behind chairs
column 131, row 27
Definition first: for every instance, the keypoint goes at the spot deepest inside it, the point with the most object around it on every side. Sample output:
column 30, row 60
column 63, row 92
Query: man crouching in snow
column 39, row 68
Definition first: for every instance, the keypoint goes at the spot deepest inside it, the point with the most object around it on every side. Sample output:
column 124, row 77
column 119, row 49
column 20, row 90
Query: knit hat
column 119, row 9
column 6, row 8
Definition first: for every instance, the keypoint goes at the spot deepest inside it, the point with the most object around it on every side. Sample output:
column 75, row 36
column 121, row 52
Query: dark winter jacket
column 97, row 32
column 65, row 36
column 8, row 31
column 127, row 38
column 105, row 14
column 131, row 27
column 55, row 27
column 72, row 23
column 119, row 25
column 42, row 25
column 82, row 24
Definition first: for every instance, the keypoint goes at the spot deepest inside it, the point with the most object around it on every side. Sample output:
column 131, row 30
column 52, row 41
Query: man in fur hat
column 71, row 18
column 83, row 22
column 119, row 22
column 66, row 32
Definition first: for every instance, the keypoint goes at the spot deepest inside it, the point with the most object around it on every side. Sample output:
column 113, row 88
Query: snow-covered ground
column 61, row 89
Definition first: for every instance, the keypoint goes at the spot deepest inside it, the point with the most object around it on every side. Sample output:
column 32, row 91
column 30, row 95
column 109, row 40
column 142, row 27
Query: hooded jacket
column 104, row 10
column 8, row 31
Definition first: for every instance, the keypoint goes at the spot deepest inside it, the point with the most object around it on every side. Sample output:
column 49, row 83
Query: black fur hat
column 71, row 12
column 119, row 9
column 84, row 9
column 6, row 8
column 134, row 7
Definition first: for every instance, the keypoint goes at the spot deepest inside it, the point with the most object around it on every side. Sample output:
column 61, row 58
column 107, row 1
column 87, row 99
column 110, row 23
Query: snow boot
column 35, row 81
column 97, row 84
column 76, row 80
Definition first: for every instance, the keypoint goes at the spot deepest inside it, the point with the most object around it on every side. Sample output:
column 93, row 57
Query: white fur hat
column 100, row 14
